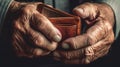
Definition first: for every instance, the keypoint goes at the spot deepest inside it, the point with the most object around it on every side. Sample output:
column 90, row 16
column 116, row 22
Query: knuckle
column 28, row 9
column 25, row 10
column 89, row 54
column 53, row 47
column 37, row 52
column 40, row 24
column 72, row 43
column 108, row 25
column 111, row 38
column 18, row 26
column 38, row 40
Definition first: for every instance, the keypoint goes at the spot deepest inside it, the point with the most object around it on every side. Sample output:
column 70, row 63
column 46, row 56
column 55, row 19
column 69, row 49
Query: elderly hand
column 97, row 39
column 33, row 35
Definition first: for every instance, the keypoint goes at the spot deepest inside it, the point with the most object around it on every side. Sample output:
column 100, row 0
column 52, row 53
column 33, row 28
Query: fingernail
column 56, row 54
column 65, row 46
column 57, row 38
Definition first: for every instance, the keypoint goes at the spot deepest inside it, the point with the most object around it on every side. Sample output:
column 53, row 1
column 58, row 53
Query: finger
column 69, row 54
column 37, row 52
column 103, row 43
column 42, row 24
column 75, row 42
column 20, row 46
column 81, row 53
column 99, row 49
column 91, row 57
column 91, row 51
column 101, row 53
column 87, row 10
column 37, row 39
column 86, row 59
column 23, row 49
column 94, row 34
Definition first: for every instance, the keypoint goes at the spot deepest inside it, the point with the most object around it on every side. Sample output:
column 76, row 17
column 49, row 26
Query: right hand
column 33, row 34
column 97, row 39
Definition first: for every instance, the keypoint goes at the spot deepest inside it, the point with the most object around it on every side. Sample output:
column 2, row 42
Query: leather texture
column 69, row 25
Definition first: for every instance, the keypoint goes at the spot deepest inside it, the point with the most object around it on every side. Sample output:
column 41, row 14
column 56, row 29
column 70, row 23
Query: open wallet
column 69, row 25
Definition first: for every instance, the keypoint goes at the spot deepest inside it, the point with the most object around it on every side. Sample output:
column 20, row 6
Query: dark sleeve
column 115, row 4
column 4, row 4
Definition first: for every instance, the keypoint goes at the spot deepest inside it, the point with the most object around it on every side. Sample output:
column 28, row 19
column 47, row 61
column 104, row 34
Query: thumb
column 87, row 11
column 76, row 42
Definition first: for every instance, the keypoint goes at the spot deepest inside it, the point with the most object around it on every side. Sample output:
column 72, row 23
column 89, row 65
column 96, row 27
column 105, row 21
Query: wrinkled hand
column 97, row 39
column 33, row 34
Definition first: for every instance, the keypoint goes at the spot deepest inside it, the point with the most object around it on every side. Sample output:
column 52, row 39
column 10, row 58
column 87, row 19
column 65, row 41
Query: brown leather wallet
column 69, row 25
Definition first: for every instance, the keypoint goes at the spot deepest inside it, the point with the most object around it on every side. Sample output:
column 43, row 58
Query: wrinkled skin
column 97, row 39
column 33, row 35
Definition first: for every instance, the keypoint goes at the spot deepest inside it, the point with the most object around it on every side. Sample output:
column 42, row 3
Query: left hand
column 97, row 40
column 32, row 34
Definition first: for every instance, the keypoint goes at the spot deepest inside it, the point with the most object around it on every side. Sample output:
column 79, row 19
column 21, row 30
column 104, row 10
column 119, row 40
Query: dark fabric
column 66, row 5
column 4, row 4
